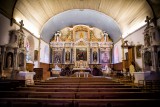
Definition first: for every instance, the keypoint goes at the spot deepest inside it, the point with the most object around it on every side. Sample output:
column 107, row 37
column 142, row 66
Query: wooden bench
column 35, row 102
column 78, row 89
column 43, row 102
column 117, row 102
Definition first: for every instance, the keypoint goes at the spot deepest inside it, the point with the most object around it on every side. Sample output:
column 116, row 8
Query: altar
column 81, row 71
column 141, row 76
column 27, row 76
column 56, row 71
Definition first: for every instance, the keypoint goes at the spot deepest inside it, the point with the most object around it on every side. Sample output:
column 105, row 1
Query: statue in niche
column 147, row 58
column 81, row 35
column 94, row 56
column 21, row 42
column 9, row 60
column 21, row 59
column 67, row 56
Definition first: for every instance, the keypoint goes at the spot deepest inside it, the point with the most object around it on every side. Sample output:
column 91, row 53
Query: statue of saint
column 94, row 56
column 81, row 35
column 9, row 60
column 67, row 56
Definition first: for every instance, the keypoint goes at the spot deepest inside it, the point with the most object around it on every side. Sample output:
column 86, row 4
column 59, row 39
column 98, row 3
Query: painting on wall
column 81, row 54
column 57, row 56
column 104, row 57
column 138, row 51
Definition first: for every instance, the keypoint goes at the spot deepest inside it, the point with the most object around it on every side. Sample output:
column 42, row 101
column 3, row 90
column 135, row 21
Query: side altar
column 81, row 46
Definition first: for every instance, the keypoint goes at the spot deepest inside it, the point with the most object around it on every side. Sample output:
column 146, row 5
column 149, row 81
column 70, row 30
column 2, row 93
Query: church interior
column 79, row 53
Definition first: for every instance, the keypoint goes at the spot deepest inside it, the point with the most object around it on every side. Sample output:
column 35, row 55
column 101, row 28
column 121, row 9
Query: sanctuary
column 81, row 47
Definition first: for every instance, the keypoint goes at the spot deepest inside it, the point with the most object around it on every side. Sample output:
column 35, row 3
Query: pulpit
column 27, row 76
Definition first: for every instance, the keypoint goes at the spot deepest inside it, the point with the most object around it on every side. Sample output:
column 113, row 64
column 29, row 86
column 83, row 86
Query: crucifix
column 148, row 21
column 21, row 24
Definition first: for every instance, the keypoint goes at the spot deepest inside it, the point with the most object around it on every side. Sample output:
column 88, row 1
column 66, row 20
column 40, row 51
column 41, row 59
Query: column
column 71, row 54
column 63, row 56
column 91, row 59
column 99, row 54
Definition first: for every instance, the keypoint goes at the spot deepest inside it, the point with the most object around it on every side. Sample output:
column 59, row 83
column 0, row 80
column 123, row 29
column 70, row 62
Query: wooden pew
column 117, row 102
column 35, row 102
column 81, row 86
column 109, row 90
column 28, row 94
column 117, row 95
column 78, row 89
column 80, row 95
column 43, row 102
column 11, row 84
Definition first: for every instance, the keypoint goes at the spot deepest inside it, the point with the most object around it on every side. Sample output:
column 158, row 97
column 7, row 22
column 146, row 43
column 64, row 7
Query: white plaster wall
column 4, row 29
column 137, row 38
column 44, row 52
column 119, row 49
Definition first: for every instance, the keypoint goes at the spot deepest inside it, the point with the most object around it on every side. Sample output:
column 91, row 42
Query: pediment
column 81, row 42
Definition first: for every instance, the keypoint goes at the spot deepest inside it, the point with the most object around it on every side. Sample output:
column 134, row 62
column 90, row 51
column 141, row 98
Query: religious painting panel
column 57, row 56
column 138, row 51
column 81, row 54
column 104, row 57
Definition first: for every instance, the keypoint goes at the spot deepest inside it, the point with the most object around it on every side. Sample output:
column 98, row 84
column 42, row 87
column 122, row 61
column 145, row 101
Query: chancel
column 80, row 53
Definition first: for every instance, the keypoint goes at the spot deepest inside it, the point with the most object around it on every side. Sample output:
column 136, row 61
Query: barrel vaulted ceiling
column 116, row 17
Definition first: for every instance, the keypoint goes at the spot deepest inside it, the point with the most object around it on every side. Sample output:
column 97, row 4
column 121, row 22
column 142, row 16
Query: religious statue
column 21, row 42
column 81, row 35
column 67, row 56
column 147, row 40
column 147, row 58
column 9, row 60
column 148, row 21
column 94, row 56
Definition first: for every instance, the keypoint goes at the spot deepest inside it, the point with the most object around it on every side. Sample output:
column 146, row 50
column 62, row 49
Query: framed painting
column 138, row 51
column 104, row 57
column 81, row 54
column 57, row 56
